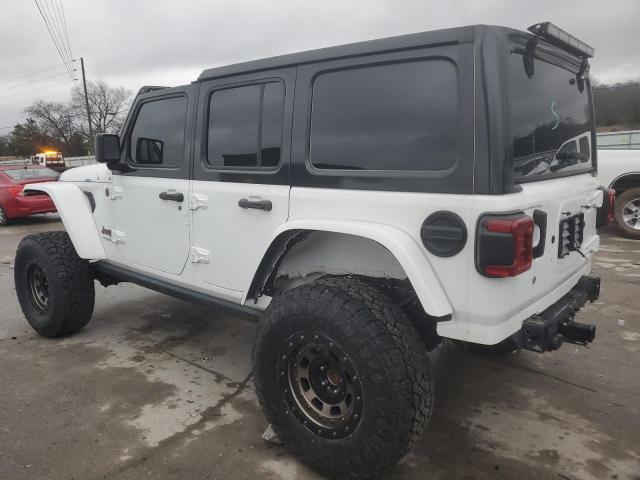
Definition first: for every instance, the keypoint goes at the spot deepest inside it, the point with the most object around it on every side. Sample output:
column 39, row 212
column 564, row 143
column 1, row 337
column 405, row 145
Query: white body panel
column 156, row 240
column 75, row 212
column 148, row 231
column 485, row 310
column 234, row 237
column 613, row 164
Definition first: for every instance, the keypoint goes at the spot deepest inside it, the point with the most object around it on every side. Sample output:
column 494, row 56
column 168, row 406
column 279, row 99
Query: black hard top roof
column 413, row 40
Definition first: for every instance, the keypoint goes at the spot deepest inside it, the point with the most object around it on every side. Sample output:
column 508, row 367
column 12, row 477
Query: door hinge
column 114, row 193
column 114, row 236
column 199, row 255
column 198, row 201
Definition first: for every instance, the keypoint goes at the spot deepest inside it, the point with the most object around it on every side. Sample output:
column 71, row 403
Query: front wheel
column 342, row 376
column 627, row 213
column 54, row 286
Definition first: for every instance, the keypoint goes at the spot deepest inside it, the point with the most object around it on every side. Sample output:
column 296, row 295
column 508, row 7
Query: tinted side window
column 245, row 126
column 401, row 116
column 157, row 137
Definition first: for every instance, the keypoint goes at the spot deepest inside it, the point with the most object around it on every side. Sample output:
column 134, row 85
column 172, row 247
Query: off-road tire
column 628, row 196
column 68, row 284
column 3, row 217
column 390, row 360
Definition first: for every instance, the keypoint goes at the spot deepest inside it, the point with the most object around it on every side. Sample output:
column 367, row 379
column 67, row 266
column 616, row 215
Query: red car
column 12, row 180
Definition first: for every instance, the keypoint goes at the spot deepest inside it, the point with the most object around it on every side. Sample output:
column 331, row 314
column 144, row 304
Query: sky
column 132, row 43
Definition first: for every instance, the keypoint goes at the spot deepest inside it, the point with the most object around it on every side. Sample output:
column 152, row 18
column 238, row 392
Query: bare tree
column 55, row 120
column 108, row 107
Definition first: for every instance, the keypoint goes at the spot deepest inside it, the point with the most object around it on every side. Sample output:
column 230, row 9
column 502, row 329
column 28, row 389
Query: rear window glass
column 401, row 116
column 31, row 173
column 245, row 126
column 551, row 121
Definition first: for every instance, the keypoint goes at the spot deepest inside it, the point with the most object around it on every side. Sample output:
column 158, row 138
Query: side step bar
column 109, row 274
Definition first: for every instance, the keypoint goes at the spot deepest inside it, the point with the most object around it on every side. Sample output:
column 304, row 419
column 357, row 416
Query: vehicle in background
column 627, row 140
column 619, row 168
column 50, row 159
column 13, row 204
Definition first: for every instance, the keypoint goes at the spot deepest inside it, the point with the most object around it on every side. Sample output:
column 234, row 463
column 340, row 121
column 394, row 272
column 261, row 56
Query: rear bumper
column 23, row 206
column 548, row 330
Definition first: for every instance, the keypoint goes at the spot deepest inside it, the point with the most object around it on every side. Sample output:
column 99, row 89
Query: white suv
column 361, row 202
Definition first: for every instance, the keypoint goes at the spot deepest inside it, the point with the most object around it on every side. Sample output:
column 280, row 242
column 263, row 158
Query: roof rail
column 149, row 88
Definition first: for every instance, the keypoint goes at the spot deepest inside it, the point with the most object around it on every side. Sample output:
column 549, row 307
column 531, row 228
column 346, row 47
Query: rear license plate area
column 570, row 234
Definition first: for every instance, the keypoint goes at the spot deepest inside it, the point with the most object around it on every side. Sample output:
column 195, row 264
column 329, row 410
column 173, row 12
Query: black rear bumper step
column 548, row 330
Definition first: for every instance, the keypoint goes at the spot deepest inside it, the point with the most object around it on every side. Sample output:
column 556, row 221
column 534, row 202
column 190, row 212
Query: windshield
column 31, row 173
column 551, row 121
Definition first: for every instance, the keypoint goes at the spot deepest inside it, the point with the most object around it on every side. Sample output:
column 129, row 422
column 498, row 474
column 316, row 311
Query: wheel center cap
column 334, row 377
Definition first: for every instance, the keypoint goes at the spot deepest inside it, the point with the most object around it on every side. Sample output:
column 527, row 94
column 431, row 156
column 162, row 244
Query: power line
column 64, row 23
column 48, row 9
column 53, row 38
column 33, row 81
column 34, row 90
column 53, row 95
column 56, row 21
column 32, row 74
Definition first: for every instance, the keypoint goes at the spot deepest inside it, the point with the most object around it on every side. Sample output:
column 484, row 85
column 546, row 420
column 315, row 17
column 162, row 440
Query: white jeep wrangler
column 361, row 202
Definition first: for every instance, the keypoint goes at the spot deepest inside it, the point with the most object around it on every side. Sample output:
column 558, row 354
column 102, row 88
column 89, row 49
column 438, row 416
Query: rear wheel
column 3, row 217
column 54, row 286
column 627, row 213
column 342, row 376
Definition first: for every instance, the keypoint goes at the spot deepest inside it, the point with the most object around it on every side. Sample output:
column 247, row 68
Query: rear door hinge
column 198, row 201
column 114, row 193
column 200, row 255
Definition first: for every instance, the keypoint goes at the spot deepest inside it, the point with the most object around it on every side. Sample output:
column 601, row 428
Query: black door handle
column 257, row 204
column 175, row 197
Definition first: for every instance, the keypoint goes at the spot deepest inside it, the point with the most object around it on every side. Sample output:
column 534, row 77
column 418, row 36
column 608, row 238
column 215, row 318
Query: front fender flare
column 408, row 254
column 75, row 212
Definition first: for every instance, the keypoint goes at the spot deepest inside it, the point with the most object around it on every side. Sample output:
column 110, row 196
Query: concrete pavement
column 155, row 387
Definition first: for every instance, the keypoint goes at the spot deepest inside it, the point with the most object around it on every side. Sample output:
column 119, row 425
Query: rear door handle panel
column 172, row 196
column 257, row 204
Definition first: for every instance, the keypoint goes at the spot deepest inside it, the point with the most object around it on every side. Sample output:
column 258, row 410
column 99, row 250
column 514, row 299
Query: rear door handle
column 257, row 204
column 173, row 196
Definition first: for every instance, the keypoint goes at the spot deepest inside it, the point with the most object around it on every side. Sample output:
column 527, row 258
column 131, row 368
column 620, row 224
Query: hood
column 98, row 173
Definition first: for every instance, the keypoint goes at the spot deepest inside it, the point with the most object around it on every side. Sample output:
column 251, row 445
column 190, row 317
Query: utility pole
column 86, row 101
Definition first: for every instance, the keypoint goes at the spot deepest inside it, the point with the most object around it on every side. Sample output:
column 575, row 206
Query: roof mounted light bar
column 556, row 36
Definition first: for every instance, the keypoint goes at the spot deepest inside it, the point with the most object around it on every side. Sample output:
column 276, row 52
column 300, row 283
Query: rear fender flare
column 408, row 254
column 75, row 212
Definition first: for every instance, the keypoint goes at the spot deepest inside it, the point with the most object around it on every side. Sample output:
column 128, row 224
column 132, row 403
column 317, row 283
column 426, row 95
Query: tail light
column 606, row 212
column 504, row 245
column 15, row 191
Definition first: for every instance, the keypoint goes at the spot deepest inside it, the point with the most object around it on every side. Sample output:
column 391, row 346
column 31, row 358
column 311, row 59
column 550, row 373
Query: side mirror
column 107, row 148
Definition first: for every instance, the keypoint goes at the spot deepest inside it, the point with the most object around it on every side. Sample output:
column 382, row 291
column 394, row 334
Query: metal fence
column 70, row 162
column 629, row 140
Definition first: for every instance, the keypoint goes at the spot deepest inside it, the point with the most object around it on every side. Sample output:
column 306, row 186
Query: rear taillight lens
column 610, row 196
column 15, row 191
column 505, row 245
column 606, row 213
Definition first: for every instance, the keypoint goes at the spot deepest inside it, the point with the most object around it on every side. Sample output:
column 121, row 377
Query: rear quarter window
column 398, row 116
